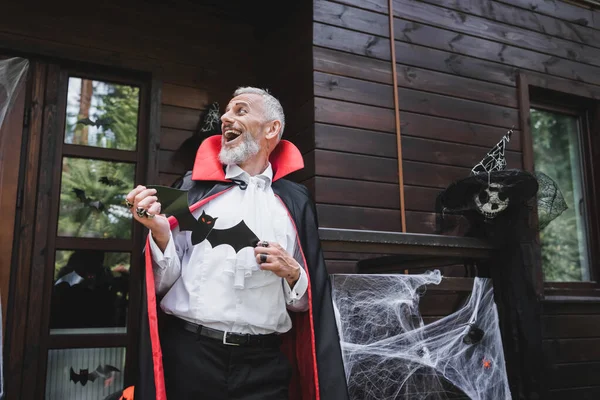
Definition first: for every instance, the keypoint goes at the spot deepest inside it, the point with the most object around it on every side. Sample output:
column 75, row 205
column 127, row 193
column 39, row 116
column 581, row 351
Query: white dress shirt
column 218, row 288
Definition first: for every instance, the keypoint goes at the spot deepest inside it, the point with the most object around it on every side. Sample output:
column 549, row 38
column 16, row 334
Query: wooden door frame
column 26, row 348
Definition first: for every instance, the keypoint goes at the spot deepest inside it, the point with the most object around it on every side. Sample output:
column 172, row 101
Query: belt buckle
column 225, row 340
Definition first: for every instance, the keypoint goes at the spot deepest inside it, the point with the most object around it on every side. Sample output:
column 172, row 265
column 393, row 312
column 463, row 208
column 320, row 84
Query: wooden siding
column 457, row 67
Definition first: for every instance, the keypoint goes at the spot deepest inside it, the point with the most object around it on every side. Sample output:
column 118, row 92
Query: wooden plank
column 446, row 40
column 562, row 85
column 171, row 139
column 511, row 15
column 351, row 42
column 441, row 304
column 180, row 118
column 184, row 96
column 351, row 65
column 566, row 12
column 431, row 175
column 420, row 198
column 573, row 375
column 460, row 22
column 352, row 140
column 570, row 326
column 358, row 218
column 166, row 163
column 330, row 61
column 421, row 222
column 154, row 40
column 167, row 179
column 333, row 137
column 375, row 94
column 582, row 393
column 413, row 55
column 354, row 115
column 461, row 155
column 354, row 166
column 340, row 266
column 356, row 193
column 349, row 89
column 456, row 131
column 372, row 194
column 349, row 217
column 570, row 307
column 456, row 86
column 571, row 350
column 351, row 18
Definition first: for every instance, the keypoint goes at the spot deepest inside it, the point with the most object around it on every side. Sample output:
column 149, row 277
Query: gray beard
column 249, row 147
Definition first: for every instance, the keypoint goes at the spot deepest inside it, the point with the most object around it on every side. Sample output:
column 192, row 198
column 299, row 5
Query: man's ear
column 273, row 129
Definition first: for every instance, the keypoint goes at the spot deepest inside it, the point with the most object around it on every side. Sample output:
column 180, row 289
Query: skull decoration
column 491, row 201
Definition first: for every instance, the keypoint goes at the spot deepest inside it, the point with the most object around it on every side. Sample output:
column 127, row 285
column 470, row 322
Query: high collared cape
column 312, row 345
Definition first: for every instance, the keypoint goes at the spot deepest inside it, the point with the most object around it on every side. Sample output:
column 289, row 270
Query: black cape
column 313, row 343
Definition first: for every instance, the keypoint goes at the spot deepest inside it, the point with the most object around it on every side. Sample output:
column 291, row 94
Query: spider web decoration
column 550, row 200
column 11, row 73
column 494, row 160
column 390, row 354
column 212, row 119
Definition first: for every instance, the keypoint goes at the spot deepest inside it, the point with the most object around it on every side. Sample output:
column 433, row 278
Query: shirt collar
column 234, row 171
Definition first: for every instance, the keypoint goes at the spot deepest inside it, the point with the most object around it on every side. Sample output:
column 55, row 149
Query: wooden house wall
column 457, row 66
column 190, row 52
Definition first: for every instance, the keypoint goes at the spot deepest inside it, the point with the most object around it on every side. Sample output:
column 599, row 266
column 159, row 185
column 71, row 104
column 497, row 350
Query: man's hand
column 144, row 199
column 272, row 257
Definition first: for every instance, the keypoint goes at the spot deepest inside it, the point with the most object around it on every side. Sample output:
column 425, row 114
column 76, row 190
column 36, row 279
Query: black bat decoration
column 111, row 181
column 96, row 204
column 175, row 202
column 104, row 122
column 104, row 372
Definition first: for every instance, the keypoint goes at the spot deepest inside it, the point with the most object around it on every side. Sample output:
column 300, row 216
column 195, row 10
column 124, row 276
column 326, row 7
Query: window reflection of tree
column 557, row 149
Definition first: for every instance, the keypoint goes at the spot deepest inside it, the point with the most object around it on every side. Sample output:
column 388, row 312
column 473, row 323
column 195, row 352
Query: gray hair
column 273, row 109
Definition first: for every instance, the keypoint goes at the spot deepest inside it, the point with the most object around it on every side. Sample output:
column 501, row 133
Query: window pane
column 91, row 198
column 102, row 114
column 70, row 372
column 90, row 293
column 557, row 152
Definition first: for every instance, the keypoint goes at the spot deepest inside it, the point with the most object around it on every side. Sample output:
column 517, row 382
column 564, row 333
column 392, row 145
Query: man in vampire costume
column 238, row 323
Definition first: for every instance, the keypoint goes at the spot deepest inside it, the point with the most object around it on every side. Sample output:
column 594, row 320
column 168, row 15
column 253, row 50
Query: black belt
column 230, row 338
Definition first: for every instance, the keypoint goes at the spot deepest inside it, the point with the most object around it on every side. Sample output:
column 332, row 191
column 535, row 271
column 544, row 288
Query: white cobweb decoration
column 390, row 354
column 12, row 71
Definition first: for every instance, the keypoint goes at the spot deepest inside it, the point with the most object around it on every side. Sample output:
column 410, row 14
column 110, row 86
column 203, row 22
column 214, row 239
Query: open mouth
column 231, row 135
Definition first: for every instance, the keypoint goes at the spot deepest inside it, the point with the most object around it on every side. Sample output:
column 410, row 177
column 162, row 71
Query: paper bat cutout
column 99, row 122
column 111, row 181
column 72, row 278
column 175, row 202
column 95, row 204
column 105, row 372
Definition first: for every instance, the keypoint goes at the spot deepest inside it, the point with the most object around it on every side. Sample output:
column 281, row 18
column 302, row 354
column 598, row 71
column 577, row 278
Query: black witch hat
column 490, row 189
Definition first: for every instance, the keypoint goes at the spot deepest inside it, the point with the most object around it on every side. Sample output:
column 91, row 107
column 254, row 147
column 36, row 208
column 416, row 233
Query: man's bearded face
column 242, row 125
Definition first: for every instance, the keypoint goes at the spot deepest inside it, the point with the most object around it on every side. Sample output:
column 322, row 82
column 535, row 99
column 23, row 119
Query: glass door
column 94, row 248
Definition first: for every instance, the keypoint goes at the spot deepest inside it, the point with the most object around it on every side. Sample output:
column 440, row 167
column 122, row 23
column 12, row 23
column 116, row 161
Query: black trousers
column 200, row 368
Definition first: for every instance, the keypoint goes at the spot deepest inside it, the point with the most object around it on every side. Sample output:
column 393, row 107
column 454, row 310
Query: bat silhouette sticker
column 174, row 202
column 102, row 371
